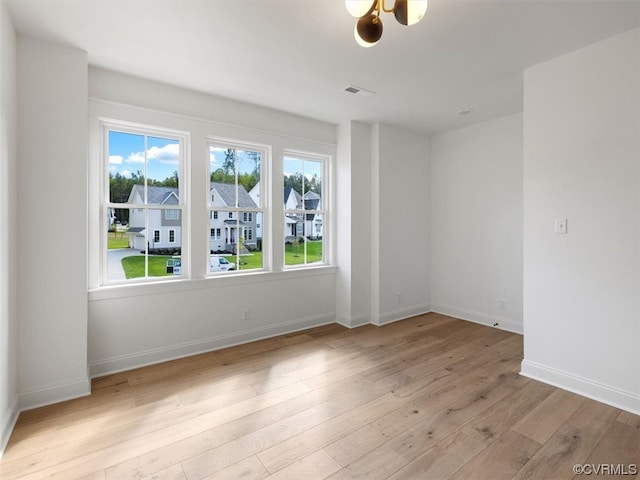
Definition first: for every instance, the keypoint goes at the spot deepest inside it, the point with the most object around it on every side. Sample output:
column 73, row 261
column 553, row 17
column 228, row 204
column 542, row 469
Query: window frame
column 234, row 213
column 108, row 125
column 326, row 161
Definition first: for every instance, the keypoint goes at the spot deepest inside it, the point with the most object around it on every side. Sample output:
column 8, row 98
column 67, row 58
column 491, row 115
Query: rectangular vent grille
column 358, row 91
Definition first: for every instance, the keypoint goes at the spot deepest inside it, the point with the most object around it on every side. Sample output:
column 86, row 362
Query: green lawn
column 134, row 266
column 117, row 240
column 293, row 255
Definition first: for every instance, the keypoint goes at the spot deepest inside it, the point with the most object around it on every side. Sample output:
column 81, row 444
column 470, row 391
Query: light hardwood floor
column 431, row 397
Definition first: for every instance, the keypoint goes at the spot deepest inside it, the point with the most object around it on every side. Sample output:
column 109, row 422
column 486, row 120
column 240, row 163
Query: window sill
column 161, row 287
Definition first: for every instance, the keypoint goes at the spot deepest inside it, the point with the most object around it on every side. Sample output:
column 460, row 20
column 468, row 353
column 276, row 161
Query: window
column 304, row 208
column 235, row 174
column 146, row 193
column 143, row 169
column 172, row 214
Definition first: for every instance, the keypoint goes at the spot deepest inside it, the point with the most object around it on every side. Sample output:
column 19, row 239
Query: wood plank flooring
column 431, row 397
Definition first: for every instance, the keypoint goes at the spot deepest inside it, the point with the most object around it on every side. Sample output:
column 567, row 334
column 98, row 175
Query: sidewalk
column 115, row 272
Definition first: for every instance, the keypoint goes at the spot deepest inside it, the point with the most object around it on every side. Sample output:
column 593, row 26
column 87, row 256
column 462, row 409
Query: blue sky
column 127, row 155
column 308, row 168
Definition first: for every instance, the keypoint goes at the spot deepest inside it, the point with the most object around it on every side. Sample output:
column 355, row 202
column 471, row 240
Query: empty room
column 296, row 239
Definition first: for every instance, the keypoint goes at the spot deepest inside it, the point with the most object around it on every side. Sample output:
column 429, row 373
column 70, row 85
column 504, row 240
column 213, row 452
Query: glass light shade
column 409, row 12
column 368, row 31
column 359, row 8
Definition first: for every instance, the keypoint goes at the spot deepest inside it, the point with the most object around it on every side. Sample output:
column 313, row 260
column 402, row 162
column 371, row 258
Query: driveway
column 115, row 272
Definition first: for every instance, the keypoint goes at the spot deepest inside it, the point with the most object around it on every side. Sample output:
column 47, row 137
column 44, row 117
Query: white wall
column 8, row 321
column 52, row 222
column 136, row 325
column 581, row 162
column 476, row 223
column 400, row 211
column 354, row 232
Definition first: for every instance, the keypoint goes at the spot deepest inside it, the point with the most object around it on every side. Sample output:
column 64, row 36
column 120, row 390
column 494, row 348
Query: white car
column 220, row 264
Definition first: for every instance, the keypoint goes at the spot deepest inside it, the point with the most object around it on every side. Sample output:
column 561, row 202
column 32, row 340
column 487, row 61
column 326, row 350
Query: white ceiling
column 298, row 55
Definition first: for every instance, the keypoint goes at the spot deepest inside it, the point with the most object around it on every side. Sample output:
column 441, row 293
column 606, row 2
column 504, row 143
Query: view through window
column 235, row 208
column 305, row 214
column 144, row 208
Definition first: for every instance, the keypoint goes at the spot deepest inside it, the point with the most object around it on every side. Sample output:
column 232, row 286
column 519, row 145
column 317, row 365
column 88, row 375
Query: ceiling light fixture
column 368, row 29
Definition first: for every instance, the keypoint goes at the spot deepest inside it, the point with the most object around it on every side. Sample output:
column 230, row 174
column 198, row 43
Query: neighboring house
column 111, row 218
column 164, row 225
column 292, row 223
column 225, row 228
column 313, row 221
column 254, row 193
column 293, row 227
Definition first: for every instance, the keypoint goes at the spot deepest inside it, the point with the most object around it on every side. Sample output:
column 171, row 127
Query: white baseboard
column 123, row 363
column 55, row 394
column 9, row 420
column 582, row 386
column 397, row 315
column 481, row 318
column 353, row 321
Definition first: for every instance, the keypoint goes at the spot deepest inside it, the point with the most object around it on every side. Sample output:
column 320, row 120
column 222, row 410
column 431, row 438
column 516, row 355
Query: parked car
column 220, row 264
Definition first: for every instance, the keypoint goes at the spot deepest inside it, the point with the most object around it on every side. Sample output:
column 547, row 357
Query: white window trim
column 265, row 166
column 165, row 123
column 105, row 126
column 327, row 217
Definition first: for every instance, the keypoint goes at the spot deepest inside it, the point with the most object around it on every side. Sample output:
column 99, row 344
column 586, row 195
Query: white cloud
column 136, row 158
column 115, row 159
column 169, row 154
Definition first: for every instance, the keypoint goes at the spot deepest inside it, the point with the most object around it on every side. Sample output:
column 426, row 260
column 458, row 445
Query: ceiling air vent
column 358, row 91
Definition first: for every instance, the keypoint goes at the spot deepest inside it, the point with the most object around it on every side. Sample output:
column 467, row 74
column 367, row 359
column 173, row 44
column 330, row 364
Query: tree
column 229, row 164
column 295, row 181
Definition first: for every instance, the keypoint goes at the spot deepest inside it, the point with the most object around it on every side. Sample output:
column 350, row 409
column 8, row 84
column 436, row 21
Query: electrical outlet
column 561, row 226
column 246, row 314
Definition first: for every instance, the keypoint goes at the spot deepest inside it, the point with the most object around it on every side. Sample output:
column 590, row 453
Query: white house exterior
column 162, row 228
column 254, row 193
column 292, row 222
column 313, row 221
column 295, row 226
column 225, row 227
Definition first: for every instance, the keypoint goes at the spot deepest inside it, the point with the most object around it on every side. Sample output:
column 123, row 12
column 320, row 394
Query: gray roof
column 311, row 196
column 156, row 195
column 228, row 193
column 287, row 192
